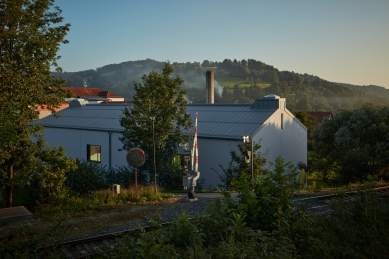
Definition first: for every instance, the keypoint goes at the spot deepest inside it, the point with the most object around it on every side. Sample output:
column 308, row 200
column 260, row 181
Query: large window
column 94, row 153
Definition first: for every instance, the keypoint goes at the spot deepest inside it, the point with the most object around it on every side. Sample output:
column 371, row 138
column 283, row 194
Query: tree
column 29, row 42
column 48, row 174
column 160, row 96
column 304, row 103
column 206, row 63
column 354, row 144
column 239, row 166
column 308, row 120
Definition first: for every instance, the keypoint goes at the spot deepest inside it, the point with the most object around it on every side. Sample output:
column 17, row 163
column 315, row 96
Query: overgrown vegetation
column 31, row 33
column 352, row 145
column 97, row 200
column 86, row 186
column 263, row 223
column 240, row 164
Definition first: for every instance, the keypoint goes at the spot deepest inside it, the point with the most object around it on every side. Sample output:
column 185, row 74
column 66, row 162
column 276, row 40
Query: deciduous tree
column 355, row 144
column 29, row 41
column 159, row 97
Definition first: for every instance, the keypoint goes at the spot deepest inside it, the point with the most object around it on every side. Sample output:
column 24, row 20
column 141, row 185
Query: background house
column 92, row 132
column 321, row 116
column 44, row 112
column 95, row 94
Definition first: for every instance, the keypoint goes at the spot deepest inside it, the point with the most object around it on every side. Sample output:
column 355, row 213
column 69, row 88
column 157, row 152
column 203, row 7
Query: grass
column 317, row 184
column 102, row 199
column 100, row 210
column 357, row 230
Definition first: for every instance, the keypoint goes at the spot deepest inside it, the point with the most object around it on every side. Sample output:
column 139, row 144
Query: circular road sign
column 135, row 157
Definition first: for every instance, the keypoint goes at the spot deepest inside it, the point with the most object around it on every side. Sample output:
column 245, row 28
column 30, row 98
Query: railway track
column 87, row 247
column 322, row 203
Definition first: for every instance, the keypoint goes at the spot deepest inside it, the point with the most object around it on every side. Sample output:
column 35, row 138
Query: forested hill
column 236, row 82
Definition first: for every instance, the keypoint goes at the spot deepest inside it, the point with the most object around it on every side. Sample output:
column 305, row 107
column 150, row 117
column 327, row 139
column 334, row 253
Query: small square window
column 94, row 153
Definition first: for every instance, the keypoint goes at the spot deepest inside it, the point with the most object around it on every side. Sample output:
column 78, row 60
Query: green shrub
column 48, row 175
column 205, row 237
column 88, row 176
column 267, row 201
column 170, row 177
column 255, row 227
column 238, row 165
column 24, row 242
column 91, row 176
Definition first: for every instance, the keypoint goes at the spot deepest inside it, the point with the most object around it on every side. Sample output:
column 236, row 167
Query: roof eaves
column 81, row 128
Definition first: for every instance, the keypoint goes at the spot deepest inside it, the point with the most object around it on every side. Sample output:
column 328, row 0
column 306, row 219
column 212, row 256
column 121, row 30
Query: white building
column 91, row 132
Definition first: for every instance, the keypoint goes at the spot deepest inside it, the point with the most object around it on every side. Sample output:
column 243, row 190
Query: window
column 93, row 153
column 282, row 121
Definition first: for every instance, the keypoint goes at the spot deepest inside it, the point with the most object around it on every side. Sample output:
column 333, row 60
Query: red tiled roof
column 87, row 91
column 321, row 115
column 109, row 94
column 62, row 106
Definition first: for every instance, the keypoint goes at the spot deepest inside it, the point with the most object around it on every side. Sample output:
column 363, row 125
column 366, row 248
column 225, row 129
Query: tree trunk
column 10, row 187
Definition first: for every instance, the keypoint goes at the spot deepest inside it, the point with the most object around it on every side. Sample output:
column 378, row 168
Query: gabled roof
column 223, row 121
column 62, row 106
column 91, row 92
column 109, row 94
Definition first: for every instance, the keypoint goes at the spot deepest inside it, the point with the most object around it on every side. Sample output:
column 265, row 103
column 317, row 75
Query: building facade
column 91, row 133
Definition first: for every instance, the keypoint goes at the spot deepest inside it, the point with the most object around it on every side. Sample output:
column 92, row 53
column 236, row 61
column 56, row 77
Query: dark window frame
column 88, row 153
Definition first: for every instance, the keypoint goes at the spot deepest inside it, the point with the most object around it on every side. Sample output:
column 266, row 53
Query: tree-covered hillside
column 235, row 82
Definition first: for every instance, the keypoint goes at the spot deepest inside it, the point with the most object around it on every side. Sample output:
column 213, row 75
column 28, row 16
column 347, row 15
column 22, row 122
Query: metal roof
column 226, row 121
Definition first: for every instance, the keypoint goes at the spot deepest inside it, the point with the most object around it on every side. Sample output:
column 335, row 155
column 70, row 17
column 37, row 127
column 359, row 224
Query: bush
column 48, row 175
column 267, row 201
column 257, row 226
column 125, row 176
column 91, row 176
column 88, row 176
column 238, row 165
column 170, row 178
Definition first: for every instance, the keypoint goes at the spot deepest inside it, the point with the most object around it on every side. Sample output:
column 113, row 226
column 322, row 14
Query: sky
column 344, row 41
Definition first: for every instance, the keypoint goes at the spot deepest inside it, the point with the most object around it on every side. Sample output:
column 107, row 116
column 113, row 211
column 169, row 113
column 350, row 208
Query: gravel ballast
column 191, row 209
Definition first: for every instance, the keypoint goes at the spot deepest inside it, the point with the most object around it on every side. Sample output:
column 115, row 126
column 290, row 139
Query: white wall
column 76, row 141
column 212, row 153
column 290, row 142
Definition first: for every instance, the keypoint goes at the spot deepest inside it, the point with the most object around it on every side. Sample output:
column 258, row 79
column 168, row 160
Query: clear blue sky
column 338, row 40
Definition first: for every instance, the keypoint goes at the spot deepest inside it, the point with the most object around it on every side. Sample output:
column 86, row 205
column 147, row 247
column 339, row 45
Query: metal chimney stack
column 210, row 86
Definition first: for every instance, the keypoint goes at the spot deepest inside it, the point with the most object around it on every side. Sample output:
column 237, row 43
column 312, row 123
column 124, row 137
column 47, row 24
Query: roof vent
column 271, row 96
column 77, row 103
column 269, row 102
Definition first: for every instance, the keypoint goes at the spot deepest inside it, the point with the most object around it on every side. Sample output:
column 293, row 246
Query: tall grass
column 353, row 230
column 102, row 199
